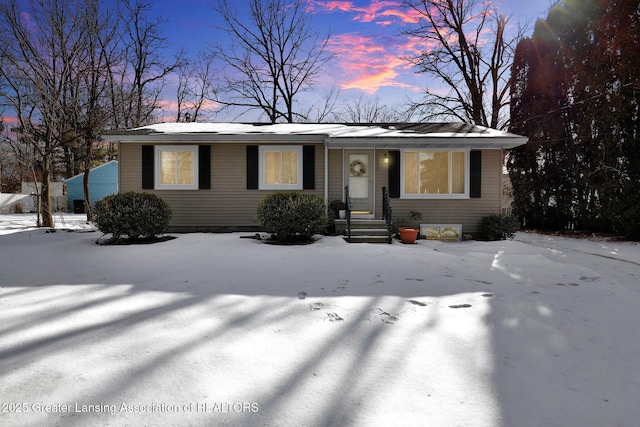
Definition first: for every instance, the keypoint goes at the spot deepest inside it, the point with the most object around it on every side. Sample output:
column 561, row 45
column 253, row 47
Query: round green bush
column 499, row 227
column 293, row 217
column 132, row 215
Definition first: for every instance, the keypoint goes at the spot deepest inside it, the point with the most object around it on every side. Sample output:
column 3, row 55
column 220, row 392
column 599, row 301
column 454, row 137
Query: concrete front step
column 364, row 230
column 367, row 239
column 369, row 232
column 341, row 224
column 363, row 223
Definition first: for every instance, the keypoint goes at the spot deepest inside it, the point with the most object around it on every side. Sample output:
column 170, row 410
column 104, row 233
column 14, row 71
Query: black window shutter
column 204, row 167
column 252, row 167
column 475, row 166
column 148, row 161
column 308, row 167
column 394, row 174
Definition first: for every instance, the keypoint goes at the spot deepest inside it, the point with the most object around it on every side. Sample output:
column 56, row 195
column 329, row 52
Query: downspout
column 326, row 171
column 118, row 144
column 375, row 180
column 501, row 180
column 342, row 174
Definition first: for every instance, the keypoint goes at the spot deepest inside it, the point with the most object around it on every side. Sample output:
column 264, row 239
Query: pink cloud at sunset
column 330, row 6
column 170, row 107
column 9, row 120
column 373, row 12
column 370, row 62
column 373, row 53
column 10, row 123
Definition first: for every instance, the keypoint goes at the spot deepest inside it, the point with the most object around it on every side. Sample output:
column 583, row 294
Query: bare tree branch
column 196, row 90
column 465, row 47
column 273, row 56
column 73, row 68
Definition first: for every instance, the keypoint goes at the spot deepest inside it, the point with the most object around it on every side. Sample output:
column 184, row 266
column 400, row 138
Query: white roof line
column 329, row 133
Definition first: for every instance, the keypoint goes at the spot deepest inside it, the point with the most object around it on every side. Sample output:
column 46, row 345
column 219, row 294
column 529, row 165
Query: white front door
column 359, row 176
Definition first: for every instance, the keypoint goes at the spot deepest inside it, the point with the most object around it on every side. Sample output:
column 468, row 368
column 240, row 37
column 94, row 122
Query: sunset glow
column 366, row 62
column 366, row 38
column 375, row 55
column 372, row 12
column 370, row 61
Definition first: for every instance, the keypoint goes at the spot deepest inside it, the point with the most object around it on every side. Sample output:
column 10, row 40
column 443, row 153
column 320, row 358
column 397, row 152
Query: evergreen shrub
column 499, row 227
column 293, row 217
column 625, row 212
column 132, row 216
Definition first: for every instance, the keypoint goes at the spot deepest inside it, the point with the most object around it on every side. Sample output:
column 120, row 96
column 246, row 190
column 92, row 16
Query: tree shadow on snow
column 219, row 321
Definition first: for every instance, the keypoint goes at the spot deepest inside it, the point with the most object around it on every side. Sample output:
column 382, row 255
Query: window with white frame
column 435, row 173
column 176, row 167
column 280, row 167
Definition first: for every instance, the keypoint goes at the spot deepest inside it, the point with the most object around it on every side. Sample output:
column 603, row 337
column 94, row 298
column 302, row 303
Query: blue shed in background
column 103, row 180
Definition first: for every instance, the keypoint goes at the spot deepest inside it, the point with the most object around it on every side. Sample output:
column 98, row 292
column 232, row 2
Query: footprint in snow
column 342, row 286
column 316, row 306
column 386, row 317
column 333, row 317
column 418, row 303
column 460, row 306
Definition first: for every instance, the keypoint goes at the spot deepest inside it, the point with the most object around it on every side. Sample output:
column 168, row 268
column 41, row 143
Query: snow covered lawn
column 212, row 329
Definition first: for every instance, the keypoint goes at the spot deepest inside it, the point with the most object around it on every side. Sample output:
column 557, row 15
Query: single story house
column 214, row 174
column 103, row 180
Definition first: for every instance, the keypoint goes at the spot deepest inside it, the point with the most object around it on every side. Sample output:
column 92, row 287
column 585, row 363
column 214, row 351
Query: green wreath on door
column 357, row 168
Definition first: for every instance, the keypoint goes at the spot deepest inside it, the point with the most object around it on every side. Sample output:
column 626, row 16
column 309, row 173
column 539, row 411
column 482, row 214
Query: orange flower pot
column 408, row 235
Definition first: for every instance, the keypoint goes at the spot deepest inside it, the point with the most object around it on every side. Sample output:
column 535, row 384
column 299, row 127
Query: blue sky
column 365, row 39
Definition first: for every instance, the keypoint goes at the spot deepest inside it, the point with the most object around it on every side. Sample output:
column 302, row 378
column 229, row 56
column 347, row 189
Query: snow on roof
column 333, row 134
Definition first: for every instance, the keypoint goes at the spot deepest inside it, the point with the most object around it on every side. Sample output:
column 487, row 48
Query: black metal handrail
column 348, row 210
column 387, row 211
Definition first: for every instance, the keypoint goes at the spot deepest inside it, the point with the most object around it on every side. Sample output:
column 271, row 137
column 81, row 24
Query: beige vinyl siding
column 336, row 187
column 129, row 168
column 382, row 180
column 227, row 205
column 467, row 212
